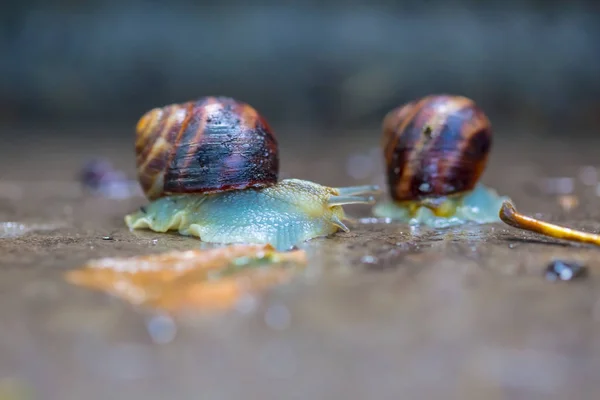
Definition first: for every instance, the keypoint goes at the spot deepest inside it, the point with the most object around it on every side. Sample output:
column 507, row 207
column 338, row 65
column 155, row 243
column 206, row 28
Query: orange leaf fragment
column 192, row 279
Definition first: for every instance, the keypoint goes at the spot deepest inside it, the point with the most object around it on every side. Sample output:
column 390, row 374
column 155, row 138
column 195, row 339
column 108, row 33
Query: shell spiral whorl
column 210, row 145
column 435, row 147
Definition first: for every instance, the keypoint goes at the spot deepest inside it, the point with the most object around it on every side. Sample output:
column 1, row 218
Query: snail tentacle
column 355, row 190
column 344, row 200
column 338, row 222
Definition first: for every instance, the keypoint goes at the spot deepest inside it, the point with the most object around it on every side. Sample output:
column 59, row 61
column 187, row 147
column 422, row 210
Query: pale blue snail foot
column 283, row 215
column 481, row 206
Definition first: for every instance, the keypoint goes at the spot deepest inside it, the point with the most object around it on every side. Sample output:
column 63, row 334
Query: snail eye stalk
column 356, row 190
column 343, row 200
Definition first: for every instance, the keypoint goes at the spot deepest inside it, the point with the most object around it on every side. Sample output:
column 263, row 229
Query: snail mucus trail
column 210, row 169
column 435, row 150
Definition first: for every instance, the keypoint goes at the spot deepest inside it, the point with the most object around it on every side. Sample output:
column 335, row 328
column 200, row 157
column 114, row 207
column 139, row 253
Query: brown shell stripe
column 159, row 138
column 395, row 156
column 435, row 164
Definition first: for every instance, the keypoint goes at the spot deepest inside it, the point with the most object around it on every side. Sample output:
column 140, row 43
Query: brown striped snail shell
column 435, row 147
column 210, row 145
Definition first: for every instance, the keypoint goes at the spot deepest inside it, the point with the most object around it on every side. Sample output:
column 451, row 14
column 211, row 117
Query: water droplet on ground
column 162, row 329
column 369, row 260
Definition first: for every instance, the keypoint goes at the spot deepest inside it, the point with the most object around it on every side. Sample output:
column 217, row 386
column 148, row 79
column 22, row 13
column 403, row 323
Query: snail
column 435, row 150
column 210, row 169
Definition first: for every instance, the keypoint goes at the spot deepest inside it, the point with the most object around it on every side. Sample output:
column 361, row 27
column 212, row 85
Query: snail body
column 282, row 215
column 435, row 150
column 210, row 169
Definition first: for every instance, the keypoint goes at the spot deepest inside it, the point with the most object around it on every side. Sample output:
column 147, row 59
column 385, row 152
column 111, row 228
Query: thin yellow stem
column 510, row 215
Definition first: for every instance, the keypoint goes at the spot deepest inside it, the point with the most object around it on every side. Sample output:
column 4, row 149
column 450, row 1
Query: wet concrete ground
column 384, row 311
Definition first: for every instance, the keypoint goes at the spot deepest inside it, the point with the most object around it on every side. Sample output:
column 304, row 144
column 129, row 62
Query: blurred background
column 330, row 64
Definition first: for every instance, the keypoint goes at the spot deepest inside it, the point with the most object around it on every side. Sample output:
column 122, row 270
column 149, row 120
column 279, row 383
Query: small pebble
column 564, row 271
column 107, row 238
column 95, row 172
column 101, row 178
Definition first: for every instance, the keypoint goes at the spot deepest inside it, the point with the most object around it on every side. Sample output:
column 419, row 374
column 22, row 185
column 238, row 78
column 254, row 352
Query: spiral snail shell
column 210, row 169
column 210, row 145
column 436, row 149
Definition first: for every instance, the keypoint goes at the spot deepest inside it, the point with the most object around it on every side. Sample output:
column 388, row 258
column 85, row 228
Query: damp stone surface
column 384, row 311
